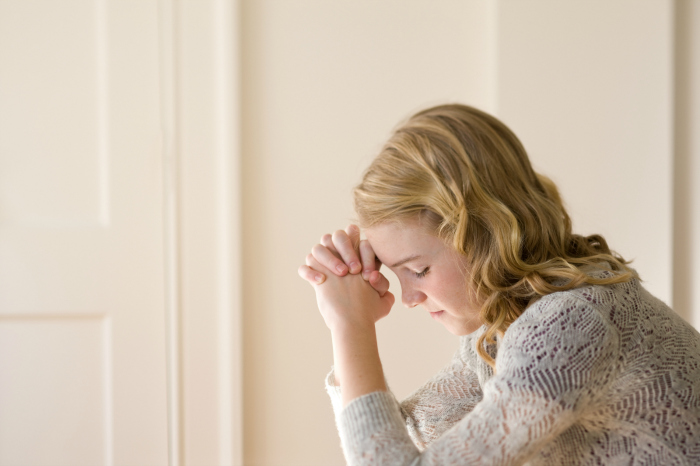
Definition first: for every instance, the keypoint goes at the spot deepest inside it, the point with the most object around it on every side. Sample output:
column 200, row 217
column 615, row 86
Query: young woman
column 564, row 357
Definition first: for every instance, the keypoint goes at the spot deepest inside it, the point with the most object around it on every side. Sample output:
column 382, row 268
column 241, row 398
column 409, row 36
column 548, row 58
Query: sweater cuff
column 368, row 415
column 334, row 393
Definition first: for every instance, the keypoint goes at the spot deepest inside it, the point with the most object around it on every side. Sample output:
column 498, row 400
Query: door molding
column 200, row 102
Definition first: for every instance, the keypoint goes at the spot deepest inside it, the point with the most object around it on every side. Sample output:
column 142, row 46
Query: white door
column 82, row 326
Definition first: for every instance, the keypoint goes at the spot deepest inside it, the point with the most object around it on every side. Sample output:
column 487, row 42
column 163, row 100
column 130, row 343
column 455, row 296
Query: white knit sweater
column 596, row 375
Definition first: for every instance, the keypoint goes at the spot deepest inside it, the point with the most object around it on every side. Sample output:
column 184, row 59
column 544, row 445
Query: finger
column 379, row 282
column 327, row 241
column 310, row 275
column 343, row 244
column 370, row 262
column 329, row 260
column 353, row 232
column 316, row 265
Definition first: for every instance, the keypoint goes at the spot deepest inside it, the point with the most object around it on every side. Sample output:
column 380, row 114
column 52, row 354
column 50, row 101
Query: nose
column 411, row 297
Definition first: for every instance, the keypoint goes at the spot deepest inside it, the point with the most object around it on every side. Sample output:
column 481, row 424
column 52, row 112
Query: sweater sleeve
column 441, row 402
column 435, row 407
column 552, row 363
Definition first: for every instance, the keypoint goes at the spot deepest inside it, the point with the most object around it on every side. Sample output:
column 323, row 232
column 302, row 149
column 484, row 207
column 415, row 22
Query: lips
column 437, row 314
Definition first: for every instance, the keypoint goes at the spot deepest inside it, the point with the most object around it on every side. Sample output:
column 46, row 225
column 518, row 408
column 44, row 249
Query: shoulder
column 559, row 322
column 584, row 305
column 565, row 336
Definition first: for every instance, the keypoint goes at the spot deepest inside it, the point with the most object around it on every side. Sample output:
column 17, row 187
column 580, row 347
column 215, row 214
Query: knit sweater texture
column 595, row 375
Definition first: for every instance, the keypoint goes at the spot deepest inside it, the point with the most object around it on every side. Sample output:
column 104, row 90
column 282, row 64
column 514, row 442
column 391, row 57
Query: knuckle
column 340, row 237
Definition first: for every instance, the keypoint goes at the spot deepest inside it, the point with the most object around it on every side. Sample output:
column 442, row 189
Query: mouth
column 437, row 314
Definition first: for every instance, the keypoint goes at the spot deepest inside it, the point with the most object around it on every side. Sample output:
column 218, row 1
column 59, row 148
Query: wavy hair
column 470, row 176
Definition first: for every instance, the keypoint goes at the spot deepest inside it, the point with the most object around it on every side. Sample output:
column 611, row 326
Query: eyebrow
column 408, row 259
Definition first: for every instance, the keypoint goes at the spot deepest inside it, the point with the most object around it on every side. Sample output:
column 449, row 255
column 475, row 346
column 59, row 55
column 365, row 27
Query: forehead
column 393, row 242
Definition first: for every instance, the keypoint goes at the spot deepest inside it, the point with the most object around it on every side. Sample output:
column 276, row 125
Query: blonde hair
column 470, row 176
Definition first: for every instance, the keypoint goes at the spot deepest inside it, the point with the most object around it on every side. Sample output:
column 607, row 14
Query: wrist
column 358, row 369
column 345, row 329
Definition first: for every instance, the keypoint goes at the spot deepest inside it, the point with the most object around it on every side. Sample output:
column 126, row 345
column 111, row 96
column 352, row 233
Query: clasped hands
column 344, row 271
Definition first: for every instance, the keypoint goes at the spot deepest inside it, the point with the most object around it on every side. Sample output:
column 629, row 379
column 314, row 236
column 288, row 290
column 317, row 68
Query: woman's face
column 431, row 273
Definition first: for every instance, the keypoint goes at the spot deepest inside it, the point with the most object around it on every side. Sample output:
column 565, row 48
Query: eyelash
column 423, row 273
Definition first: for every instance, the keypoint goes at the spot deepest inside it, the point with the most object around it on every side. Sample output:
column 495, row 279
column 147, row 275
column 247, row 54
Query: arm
column 441, row 402
column 350, row 317
column 549, row 369
column 429, row 411
column 356, row 357
column 351, row 307
column 436, row 406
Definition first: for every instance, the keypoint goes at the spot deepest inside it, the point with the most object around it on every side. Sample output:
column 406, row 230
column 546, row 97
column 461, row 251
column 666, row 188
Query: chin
column 464, row 329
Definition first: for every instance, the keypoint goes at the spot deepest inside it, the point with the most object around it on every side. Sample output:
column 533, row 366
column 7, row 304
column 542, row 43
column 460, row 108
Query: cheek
column 454, row 289
column 449, row 289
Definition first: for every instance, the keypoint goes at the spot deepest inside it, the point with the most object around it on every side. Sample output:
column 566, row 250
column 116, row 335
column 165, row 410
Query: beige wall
column 323, row 84
column 589, row 89
column 686, row 182
column 588, row 86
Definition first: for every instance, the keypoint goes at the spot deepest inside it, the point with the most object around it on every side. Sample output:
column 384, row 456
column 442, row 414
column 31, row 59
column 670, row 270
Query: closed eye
column 423, row 273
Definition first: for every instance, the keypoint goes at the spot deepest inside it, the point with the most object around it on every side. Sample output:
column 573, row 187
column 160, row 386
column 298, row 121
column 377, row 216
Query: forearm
column 358, row 369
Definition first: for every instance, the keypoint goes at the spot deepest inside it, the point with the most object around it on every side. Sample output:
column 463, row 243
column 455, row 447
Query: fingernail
column 341, row 268
column 318, row 278
column 365, row 275
column 355, row 267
